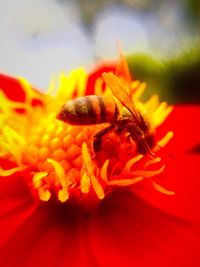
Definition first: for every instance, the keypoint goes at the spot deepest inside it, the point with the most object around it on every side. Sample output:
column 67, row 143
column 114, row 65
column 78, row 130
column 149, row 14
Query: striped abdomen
column 90, row 109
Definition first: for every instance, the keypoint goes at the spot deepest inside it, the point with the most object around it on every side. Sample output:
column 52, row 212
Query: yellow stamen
column 12, row 141
column 10, row 171
column 162, row 189
column 152, row 161
column 132, row 161
column 30, row 93
column 8, row 107
column 90, row 170
column 63, row 193
column 98, row 87
column 135, row 85
column 44, row 194
column 85, row 183
column 104, row 171
column 164, row 141
column 37, row 178
column 52, row 86
column 161, row 113
column 76, row 79
column 125, row 182
column 148, row 174
column 152, row 104
column 139, row 92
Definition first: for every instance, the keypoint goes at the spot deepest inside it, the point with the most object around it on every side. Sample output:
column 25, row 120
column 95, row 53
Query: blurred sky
column 41, row 38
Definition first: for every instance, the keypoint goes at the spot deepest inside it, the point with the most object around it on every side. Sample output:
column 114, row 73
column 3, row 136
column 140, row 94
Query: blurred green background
column 176, row 79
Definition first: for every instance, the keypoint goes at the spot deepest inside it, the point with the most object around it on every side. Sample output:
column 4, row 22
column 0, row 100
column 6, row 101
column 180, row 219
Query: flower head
column 58, row 156
column 55, row 162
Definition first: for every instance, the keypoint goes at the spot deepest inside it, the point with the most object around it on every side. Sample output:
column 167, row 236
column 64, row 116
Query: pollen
column 59, row 158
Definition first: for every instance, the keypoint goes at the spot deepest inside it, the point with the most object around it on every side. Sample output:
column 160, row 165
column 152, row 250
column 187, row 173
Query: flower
column 63, row 206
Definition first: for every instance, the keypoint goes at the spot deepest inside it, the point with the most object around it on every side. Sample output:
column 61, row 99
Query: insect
column 93, row 109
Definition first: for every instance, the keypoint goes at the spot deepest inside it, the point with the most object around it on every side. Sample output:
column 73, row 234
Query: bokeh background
column 161, row 39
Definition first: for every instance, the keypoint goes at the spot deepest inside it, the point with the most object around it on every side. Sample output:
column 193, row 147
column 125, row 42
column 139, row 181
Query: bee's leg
column 97, row 142
column 130, row 138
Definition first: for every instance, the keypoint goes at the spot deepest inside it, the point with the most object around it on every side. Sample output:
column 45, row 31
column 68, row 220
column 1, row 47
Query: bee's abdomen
column 89, row 110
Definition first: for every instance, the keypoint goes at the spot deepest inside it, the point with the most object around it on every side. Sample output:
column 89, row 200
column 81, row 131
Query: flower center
column 54, row 153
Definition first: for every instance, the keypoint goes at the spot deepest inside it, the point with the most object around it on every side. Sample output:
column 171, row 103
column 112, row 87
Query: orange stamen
column 164, row 141
column 132, row 161
column 125, row 182
column 152, row 161
column 90, row 171
column 162, row 190
column 10, row 171
column 148, row 174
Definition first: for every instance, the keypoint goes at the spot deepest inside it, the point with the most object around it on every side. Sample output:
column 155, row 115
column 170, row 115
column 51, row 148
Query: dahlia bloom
column 63, row 205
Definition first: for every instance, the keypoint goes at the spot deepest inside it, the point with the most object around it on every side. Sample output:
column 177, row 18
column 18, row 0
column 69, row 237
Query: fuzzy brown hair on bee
column 94, row 109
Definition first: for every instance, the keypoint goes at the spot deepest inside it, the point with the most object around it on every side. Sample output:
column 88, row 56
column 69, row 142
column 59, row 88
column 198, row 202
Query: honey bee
column 93, row 109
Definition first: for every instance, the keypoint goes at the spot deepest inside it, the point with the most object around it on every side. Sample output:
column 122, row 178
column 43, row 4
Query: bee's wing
column 118, row 89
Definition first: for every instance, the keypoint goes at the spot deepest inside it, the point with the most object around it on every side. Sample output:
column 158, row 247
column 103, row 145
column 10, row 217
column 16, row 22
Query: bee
column 93, row 109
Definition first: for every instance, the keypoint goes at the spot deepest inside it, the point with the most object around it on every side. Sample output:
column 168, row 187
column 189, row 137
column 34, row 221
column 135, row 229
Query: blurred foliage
column 90, row 9
column 176, row 80
column 193, row 8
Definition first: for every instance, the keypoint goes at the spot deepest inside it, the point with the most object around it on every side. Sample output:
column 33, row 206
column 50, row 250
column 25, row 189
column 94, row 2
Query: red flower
column 130, row 226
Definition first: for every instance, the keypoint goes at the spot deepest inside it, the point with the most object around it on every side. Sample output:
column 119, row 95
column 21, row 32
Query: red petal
column 16, row 205
column 120, row 68
column 182, row 176
column 12, row 88
column 97, row 73
column 181, row 173
column 52, row 236
column 184, row 122
column 14, row 91
column 49, row 235
column 128, row 232
column 125, row 231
